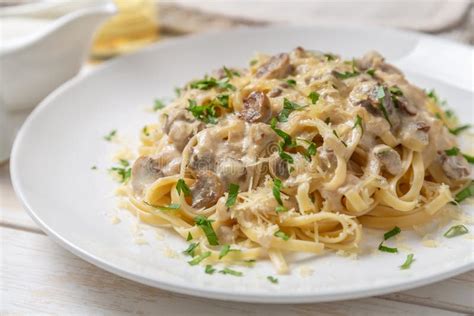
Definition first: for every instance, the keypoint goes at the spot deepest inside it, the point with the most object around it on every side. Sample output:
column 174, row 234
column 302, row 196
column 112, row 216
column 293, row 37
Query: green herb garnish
column 181, row 186
column 211, row 82
column 458, row 130
column 394, row 231
column 358, row 122
column 253, row 62
column 110, row 135
column 381, row 97
column 408, row 262
column 469, row 158
column 233, row 193
column 230, row 73
column 124, row 171
column 452, row 151
column 371, row 72
column 171, row 207
column 291, row 82
column 209, row 269
column 272, row 279
column 94, row 168
column 395, row 91
column 191, row 248
column 314, row 97
column 177, row 91
column 330, row 56
column 206, row 113
column 158, row 105
column 457, row 230
column 277, row 191
column 190, row 237
column 465, row 193
column 223, row 100
column 206, row 226
column 282, row 235
column 231, row 272
column 288, row 107
column 199, row 258
column 225, row 250
column 346, row 74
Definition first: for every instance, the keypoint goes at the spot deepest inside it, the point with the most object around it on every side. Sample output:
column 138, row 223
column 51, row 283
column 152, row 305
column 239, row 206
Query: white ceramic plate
column 62, row 139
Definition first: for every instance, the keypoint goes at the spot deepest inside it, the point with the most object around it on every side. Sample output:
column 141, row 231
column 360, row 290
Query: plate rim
column 200, row 292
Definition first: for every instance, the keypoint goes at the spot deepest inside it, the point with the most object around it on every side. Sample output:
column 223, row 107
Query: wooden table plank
column 39, row 276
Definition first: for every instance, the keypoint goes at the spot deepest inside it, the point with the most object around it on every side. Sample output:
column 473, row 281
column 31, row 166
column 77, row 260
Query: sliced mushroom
column 455, row 167
column 414, row 134
column 257, row 108
column 275, row 92
column 278, row 167
column 373, row 60
column 389, row 159
column 145, row 171
column 231, row 170
column 404, row 105
column 206, row 190
column 180, row 127
column 202, row 161
column 276, row 67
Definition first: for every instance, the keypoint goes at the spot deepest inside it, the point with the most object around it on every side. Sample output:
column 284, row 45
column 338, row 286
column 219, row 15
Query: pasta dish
column 296, row 153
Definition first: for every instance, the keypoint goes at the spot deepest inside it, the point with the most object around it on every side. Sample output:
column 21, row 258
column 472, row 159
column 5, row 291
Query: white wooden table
column 38, row 276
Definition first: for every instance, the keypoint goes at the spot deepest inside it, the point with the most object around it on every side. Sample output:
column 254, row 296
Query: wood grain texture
column 39, row 276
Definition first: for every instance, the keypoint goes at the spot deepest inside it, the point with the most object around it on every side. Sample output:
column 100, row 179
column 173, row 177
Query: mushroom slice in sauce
column 180, row 127
column 455, row 167
column 257, row 108
column 389, row 159
column 207, row 189
column 145, row 171
column 276, row 67
column 414, row 134
column 231, row 170
column 278, row 167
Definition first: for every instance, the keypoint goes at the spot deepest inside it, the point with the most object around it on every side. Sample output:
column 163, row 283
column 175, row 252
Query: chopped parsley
column 191, row 248
column 335, row 133
column 381, row 97
column 330, row 56
column 272, row 279
column 310, row 151
column 124, row 171
column 395, row 91
column 233, row 193
column 225, row 250
column 199, row 258
column 458, row 130
column 287, row 142
column 110, row 135
column 94, row 168
column 291, row 82
column 253, row 62
column 205, row 225
column 465, row 193
column 177, row 91
column 190, row 237
column 358, row 122
column 452, row 151
column 206, row 113
column 394, row 231
column 406, row 265
column 211, row 82
column 347, row 74
column 288, row 107
column 469, row 158
column 457, row 230
column 158, row 105
column 282, row 235
column 223, row 100
column 314, row 97
column 231, row 272
column 209, row 269
column 145, row 131
column 277, row 195
column 285, row 156
column 371, row 72
column 230, row 73
column 181, row 186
